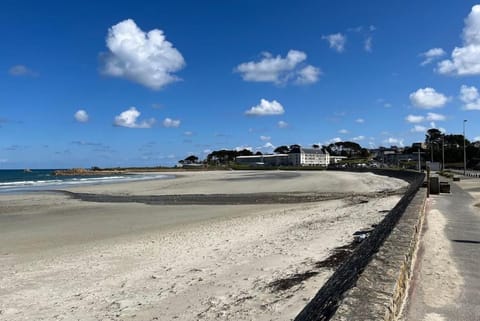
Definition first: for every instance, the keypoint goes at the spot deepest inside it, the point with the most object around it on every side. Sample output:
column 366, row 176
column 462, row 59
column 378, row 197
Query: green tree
column 191, row 159
column 433, row 139
column 281, row 150
column 224, row 156
column 344, row 149
column 364, row 153
column 453, row 146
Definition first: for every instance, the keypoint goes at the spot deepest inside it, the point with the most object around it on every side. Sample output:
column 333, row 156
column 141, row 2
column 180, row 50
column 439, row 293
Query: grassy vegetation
column 355, row 161
column 446, row 173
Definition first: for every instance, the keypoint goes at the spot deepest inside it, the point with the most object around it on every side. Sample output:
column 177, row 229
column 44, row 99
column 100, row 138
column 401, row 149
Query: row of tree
column 221, row 157
column 348, row 149
column 437, row 144
column 218, row 157
column 450, row 147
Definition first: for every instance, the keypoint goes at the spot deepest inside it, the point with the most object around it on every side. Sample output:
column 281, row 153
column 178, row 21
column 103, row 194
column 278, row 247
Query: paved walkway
column 446, row 281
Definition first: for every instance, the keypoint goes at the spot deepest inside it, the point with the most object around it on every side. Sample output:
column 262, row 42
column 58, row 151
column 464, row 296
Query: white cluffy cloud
column 429, row 117
column 333, row 141
column 307, row 75
column 428, row 98
column 280, row 70
column 143, row 57
column 360, row 120
column 265, row 138
column 367, row 45
column 414, row 118
column 465, row 60
column 343, row 131
column 385, row 103
column 435, row 117
column 419, row 129
column 470, row 97
column 266, row 108
column 268, row 146
column 336, row 41
column 367, row 32
column 21, row 70
column 128, row 118
column 358, row 138
column 282, row 124
column 81, row 116
column 431, row 55
column 171, row 123
column 394, row 141
column 240, row 148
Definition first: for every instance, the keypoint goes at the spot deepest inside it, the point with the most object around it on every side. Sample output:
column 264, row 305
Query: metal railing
column 468, row 173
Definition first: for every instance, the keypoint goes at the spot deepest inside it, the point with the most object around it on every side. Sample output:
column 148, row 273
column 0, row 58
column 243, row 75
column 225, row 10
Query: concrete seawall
column 372, row 283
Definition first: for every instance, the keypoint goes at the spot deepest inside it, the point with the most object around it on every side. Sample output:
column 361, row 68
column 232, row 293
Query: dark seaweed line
column 221, row 199
column 336, row 258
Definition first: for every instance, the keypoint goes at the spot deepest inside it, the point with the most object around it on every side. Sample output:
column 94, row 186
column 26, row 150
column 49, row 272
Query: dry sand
column 442, row 283
column 66, row 259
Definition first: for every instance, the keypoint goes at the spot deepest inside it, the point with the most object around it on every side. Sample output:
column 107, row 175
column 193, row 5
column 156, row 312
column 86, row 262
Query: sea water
column 17, row 181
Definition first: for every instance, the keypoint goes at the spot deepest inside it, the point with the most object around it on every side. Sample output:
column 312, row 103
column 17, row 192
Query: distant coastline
column 87, row 172
column 96, row 171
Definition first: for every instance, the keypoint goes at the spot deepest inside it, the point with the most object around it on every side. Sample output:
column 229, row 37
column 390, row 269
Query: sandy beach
column 126, row 257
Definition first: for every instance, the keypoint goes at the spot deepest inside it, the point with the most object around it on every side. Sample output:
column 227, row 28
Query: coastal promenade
column 446, row 276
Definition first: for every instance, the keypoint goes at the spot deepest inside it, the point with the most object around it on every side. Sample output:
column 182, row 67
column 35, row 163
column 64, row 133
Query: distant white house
column 297, row 157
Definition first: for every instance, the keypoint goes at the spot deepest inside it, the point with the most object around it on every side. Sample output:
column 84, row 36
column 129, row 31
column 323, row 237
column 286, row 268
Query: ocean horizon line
column 19, row 180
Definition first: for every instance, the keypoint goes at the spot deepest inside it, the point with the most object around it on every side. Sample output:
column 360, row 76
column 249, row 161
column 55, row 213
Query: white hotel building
column 309, row 157
column 296, row 157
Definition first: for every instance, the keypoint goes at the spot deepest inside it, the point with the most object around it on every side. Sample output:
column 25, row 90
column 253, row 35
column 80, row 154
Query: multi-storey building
column 298, row 156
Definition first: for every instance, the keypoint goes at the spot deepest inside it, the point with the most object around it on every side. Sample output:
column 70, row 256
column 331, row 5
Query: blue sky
column 140, row 83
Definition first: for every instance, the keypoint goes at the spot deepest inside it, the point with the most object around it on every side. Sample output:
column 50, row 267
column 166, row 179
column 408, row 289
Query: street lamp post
column 431, row 152
column 443, row 152
column 464, row 150
column 419, row 161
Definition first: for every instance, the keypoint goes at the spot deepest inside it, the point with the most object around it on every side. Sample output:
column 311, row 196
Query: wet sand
column 120, row 258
